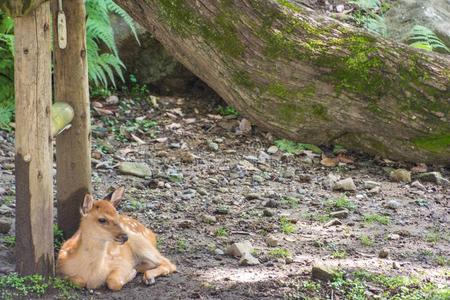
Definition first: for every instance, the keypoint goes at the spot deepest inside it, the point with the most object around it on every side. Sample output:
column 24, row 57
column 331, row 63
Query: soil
column 200, row 200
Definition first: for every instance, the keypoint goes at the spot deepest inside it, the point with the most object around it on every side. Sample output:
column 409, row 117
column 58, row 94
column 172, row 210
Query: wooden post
column 34, row 192
column 73, row 146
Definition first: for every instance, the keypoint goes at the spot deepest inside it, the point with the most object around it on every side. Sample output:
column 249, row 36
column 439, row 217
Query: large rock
column 434, row 14
column 150, row 62
column 322, row 272
column 135, row 169
column 240, row 249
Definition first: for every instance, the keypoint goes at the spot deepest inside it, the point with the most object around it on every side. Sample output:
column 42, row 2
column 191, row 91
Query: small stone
column 209, row 219
column 288, row 173
column 289, row 260
column 213, row 181
column 271, row 203
column 434, row 177
column 393, row 204
column 186, row 224
column 272, row 150
column 271, row 241
column 418, row 185
column 393, row 236
column 251, row 158
column 240, row 248
column 346, row 184
column 384, row 253
column 395, row 265
column 175, row 145
column 400, row 175
column 135, row 169
column 187, row 157
column 267, row 213
column 257, row 178
column 213, row 146
column 253, row 196
column 323, row 273
column 246, row 165
column 5, row 225
column 375, row 190
column 341, row 214
column 202, row 191
column 112, row 100
column 333, row 222
column 340, row 8
column 222, row 210
column 248, row 260
column 218, row 251
column 6, row 211
column 245, row 126
column 371, row 184
column 2, row 191
column 330, row 180
column 263, row 156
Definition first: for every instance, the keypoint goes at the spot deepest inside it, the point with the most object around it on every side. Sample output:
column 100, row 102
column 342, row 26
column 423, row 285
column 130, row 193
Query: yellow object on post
column 62, row 116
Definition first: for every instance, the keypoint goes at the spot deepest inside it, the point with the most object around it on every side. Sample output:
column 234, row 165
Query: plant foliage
column 102, row 54
column 424, row 38
column 370, row 15
column 103, row 66
column 6, row 71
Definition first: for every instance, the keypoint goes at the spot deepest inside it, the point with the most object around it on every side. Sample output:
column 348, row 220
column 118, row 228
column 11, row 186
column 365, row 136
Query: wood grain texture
column 73, row 146
column 34, row 184
column 310, row 78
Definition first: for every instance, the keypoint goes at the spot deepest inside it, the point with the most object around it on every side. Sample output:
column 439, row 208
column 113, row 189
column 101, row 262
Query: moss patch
column 434, row 143
column 219, row 31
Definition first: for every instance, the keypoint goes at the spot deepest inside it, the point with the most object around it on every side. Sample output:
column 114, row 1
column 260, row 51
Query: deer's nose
column 122, row 238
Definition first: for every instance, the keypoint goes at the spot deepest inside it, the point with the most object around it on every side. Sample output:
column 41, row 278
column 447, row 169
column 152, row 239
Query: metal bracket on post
column 62, row 28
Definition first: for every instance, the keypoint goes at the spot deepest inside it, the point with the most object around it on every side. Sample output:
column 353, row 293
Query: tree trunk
column 310, row 78
column 73, row 146
column 34, row 159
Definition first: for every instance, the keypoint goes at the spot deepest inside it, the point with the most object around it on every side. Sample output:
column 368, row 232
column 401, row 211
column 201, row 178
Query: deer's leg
column 165, row 267
column 119, row 277
column 77, row 280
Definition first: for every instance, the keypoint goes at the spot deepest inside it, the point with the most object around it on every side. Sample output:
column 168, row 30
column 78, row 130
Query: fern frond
column 367, row 4
column 113, row 7
column 424, row 38
column 103, row 66
column 375, row 24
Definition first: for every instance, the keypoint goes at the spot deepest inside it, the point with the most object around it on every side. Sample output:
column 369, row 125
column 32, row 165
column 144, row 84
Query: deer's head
column 100, row 218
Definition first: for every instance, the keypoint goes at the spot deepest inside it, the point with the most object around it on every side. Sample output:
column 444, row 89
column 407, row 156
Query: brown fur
column 97, row 254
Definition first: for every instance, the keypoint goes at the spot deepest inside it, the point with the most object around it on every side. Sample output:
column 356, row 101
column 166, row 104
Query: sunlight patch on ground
column 240, row 274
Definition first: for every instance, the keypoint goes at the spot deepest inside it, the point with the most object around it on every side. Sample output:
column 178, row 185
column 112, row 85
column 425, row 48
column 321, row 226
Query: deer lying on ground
column 109, row 247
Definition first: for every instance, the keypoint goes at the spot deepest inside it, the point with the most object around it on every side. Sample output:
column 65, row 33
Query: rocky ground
column 244, row 219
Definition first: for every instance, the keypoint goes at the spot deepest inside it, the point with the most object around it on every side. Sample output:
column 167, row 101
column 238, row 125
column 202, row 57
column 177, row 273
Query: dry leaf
column 137, row 139
column 103, row 111
column 245, row 126
column 328, row 161
column 344, row 159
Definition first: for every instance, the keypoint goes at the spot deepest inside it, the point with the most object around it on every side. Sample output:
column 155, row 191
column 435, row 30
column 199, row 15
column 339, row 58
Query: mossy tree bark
column 310, row 78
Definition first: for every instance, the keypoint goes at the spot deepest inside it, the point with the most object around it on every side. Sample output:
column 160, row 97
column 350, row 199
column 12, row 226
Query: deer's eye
column 102, row 220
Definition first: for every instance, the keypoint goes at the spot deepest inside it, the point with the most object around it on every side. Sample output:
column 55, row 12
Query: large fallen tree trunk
column 310, row 78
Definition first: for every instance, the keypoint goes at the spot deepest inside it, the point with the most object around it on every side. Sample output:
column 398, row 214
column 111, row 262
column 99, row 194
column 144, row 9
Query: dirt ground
column 214, row 184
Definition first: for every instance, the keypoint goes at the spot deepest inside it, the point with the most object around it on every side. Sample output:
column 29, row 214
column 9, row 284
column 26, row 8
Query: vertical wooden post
column 34, row 192
column 73, row 146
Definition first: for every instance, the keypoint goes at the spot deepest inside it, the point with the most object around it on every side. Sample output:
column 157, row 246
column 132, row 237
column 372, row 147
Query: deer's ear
column 117, row 196
column 88, row 202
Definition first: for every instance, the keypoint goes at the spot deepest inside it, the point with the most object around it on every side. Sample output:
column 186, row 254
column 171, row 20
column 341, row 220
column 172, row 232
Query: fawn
column 109, row 247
